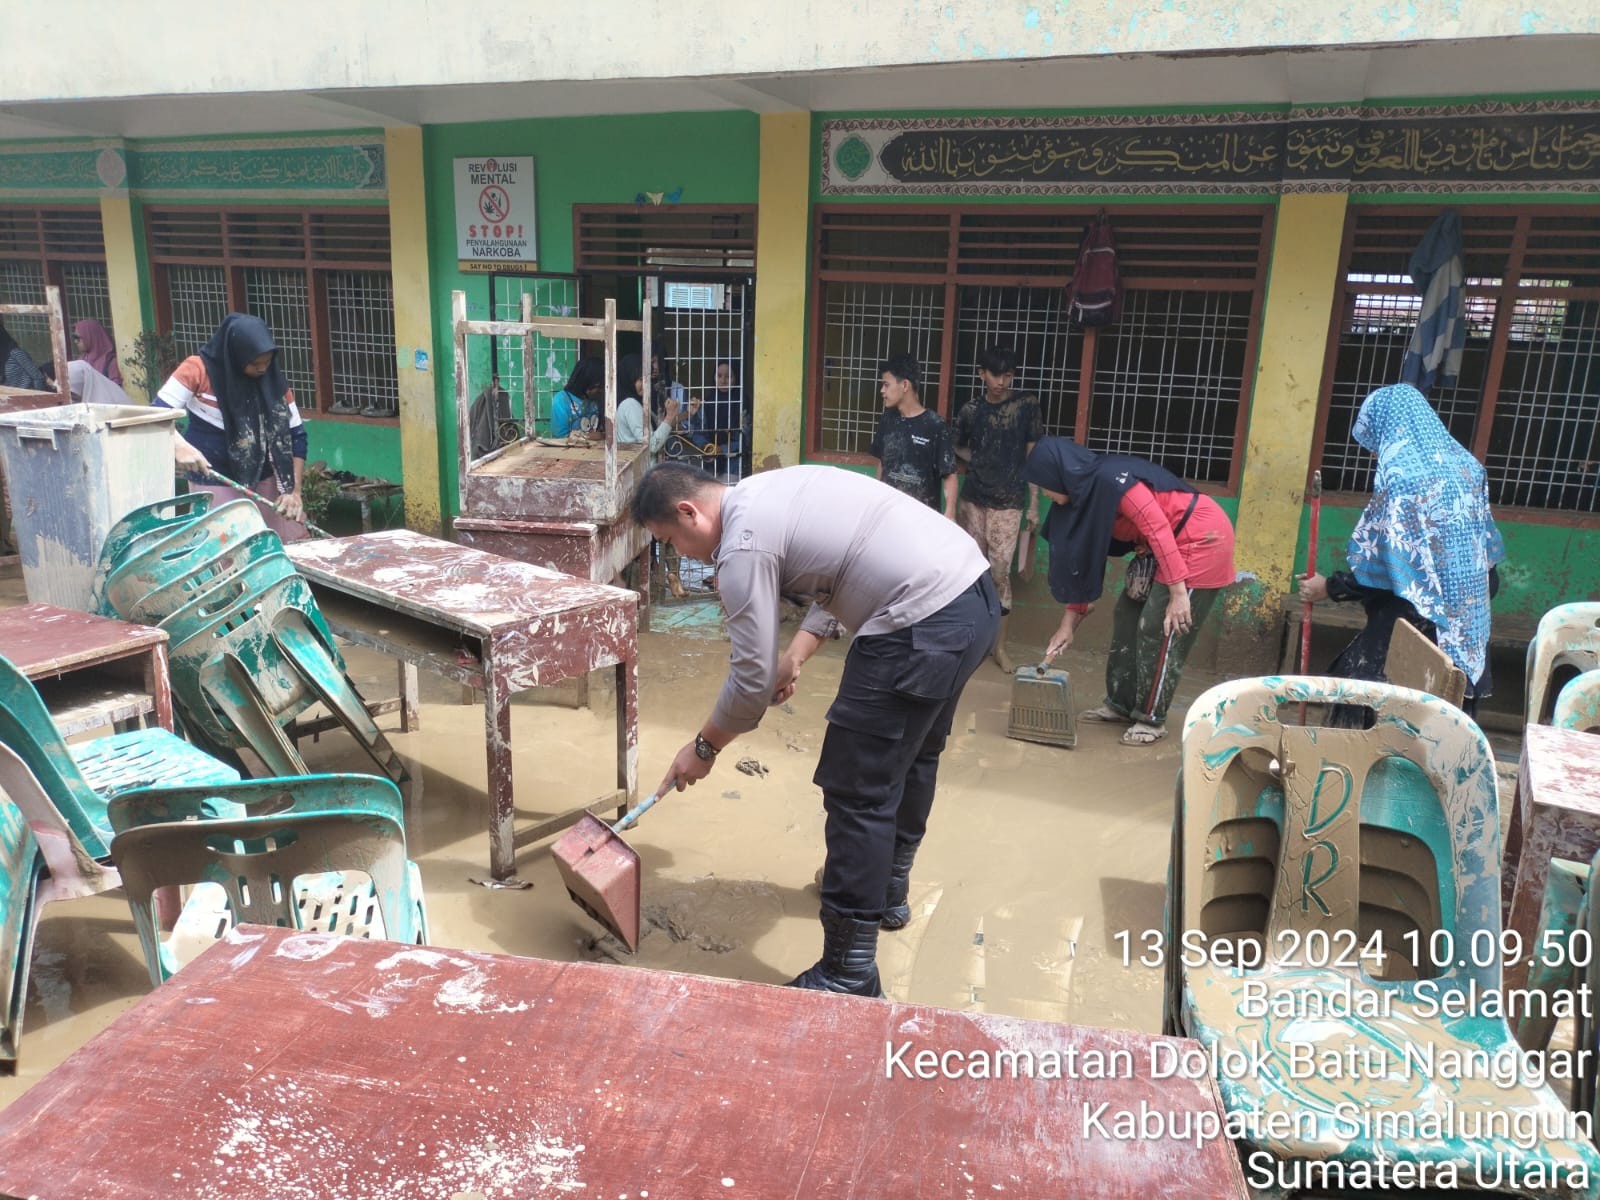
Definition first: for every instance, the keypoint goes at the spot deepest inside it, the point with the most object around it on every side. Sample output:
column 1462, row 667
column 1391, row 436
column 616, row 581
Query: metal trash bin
column 73, row 471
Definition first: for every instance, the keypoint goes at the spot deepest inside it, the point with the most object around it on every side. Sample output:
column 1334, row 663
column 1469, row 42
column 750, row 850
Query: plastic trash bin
column 73, row 471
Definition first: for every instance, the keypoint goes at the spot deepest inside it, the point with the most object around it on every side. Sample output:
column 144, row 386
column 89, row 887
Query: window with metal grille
column 1166, row 382
column 553, row 358
column 197, row 300
column 319, row 279
column 701, row 328
column 361, row 341
column 61, row 246
column 1528, row 396
column 862, row 325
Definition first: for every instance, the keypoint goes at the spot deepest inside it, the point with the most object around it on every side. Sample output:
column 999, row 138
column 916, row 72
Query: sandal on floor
column 1107, row 714
column 1143, row 735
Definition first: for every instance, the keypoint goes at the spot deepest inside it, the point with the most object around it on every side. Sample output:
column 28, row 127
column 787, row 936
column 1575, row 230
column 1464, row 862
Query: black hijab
column 629, row 371
column 1079, row 532
column 7, row 343
column 255, row 420
column 589, row 372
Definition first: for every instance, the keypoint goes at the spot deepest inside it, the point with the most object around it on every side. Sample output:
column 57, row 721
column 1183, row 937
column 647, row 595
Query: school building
column 804, row 191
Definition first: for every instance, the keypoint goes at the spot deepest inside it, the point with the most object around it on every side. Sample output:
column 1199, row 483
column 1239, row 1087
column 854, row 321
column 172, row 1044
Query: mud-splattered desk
column 1556, row 814
column 91, row 671
column 493, row 624
column 291, row 1066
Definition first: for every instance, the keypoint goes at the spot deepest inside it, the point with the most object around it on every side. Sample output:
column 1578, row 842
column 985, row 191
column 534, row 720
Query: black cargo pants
column 886, row 729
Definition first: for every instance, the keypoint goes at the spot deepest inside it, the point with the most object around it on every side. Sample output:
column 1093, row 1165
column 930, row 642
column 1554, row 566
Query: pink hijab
column 98, row 350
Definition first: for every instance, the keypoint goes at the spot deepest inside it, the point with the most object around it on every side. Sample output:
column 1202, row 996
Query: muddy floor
column 1035, row 858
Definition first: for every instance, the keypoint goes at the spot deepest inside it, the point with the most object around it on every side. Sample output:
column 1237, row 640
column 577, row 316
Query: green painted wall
column 1545, row 564
column 713, row 157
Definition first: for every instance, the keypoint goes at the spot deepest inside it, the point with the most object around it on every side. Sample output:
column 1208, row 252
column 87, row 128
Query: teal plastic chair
column 40, row 862
column 322, row 853
column 259, row 663
column 1567, row 643
column 149, row 521
column 21, row 865
column 79, row 779
column 272, row 579
column 1578, row 705
column 186, row 550
column 1304, row 846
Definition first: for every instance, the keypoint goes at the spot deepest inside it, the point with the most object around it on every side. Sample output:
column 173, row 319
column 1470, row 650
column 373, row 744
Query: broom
column 216, row 476
column 1311, row 568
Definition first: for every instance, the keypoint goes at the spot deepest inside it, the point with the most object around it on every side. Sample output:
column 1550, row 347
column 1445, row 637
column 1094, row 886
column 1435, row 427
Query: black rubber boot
column 896, row 912
column 849, row 958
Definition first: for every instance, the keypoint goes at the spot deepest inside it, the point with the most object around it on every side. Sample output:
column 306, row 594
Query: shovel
column 601, row 872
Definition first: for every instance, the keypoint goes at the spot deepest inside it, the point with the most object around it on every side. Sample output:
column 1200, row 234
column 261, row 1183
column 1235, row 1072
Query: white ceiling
column 1501, row 67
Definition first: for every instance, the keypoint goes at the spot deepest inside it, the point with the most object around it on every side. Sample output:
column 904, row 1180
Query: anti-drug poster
column 495, row 215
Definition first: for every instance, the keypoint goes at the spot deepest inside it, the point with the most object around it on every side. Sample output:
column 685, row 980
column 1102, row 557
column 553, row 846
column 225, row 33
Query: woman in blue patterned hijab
column 1426, row 541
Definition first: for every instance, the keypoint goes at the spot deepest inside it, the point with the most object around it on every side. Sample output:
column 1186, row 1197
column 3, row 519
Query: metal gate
column 705, row 337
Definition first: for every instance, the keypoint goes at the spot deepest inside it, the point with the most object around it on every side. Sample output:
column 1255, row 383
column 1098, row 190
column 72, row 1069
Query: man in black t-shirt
column 912, row 445
column 994, row 433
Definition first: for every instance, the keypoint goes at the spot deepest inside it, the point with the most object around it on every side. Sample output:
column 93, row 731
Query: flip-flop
column 1143, row 735
column 1107, row 714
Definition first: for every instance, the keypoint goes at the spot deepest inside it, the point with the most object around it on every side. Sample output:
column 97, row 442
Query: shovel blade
column 601, row 874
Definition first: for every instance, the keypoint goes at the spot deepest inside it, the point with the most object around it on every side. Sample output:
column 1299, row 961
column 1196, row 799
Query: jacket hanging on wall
column 1095, row 295
column 1441, row 333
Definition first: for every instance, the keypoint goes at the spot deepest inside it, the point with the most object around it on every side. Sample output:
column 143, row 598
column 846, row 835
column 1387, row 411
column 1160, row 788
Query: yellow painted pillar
column 122, row 280
column 1277, row 457
column 413, row 329
column 781, row 273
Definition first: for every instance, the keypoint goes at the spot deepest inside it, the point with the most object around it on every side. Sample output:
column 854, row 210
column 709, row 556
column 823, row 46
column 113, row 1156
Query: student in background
column 1425, row 549
column 95, row 347
column 994, row 433
column 242, row 421
column 630, row 409
column 1102, row 506
column 913, row 445
column 576, row 407
column 17, row 368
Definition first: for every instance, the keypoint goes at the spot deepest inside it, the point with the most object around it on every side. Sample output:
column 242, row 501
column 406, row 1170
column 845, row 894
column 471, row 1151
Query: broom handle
column 218, row 477
column 1311, row 567
column 635, row 813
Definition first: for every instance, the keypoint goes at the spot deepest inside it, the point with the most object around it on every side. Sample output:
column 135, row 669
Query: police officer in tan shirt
column 918, row 595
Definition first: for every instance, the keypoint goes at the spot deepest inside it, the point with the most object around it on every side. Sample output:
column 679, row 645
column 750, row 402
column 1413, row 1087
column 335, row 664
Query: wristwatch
column 704, row 749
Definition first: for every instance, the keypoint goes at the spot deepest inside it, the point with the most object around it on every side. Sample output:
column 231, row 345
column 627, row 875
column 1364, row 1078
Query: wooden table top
column 286, row 1065
column 442, row 582
column 1561, row 768
column 42, row 640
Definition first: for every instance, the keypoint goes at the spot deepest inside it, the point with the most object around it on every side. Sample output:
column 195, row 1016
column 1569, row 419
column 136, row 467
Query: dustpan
column 601, row 872
column 1041, row 707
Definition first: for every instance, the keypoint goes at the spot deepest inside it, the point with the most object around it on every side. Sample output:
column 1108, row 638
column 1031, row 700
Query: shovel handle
column 635, row 813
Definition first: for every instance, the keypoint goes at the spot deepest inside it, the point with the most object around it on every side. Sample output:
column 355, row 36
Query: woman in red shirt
column 1103, row 506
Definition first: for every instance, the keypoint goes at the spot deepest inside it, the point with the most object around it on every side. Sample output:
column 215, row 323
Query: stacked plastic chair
column 54, row 831
column 249, row 649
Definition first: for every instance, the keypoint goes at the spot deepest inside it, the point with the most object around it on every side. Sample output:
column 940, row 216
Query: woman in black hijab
column 1103, row 506
column 242, row 417
column 17, row 368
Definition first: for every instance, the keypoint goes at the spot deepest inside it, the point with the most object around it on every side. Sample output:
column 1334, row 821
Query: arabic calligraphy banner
column 287, row 168
column 298, row 168
column 1488, row 147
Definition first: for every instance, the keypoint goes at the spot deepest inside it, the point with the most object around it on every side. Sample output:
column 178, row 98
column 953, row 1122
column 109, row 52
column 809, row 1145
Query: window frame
column 1506, row 295
column 310, row 260
column 52, row 259
column 1041, row 275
